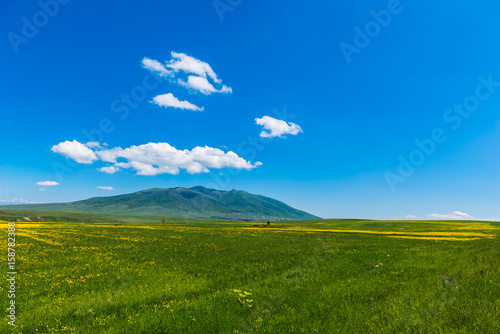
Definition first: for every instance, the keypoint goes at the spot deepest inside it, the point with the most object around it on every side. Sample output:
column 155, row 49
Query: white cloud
column 169, row 100
column 106, row 188
column 201, row 84
column 47, row 183
column 455, row 215
column 452, row 216
column 109, row 169
column 155, row 66
column 76, row 151
column 162, row 158
column 94, row 144
column 43, row 189
column 183, row 62
column 191, row 73
column 16, row 201
column 276, row 127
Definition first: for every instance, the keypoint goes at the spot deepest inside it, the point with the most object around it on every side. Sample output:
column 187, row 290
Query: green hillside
column 189, row 203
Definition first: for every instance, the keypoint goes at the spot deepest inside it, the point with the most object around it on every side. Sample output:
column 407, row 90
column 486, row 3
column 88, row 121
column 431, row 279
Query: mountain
column 190, row 203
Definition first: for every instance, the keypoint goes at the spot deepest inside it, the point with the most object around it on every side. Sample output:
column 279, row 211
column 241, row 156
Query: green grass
column 304, row 277
column 57, row 216
column 84, row 217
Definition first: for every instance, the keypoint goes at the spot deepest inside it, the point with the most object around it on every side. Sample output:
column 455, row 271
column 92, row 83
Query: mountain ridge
column 180, row 202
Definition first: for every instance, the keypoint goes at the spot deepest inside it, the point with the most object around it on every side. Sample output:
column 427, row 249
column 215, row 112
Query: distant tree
column 163, row 220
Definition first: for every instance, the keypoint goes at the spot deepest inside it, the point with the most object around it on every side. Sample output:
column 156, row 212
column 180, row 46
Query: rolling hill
column 189, row 203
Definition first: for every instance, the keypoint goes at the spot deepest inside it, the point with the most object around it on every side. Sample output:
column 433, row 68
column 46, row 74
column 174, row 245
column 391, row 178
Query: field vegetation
column 319, row 276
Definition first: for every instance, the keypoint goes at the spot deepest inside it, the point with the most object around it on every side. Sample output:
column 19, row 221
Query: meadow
column 322, row 276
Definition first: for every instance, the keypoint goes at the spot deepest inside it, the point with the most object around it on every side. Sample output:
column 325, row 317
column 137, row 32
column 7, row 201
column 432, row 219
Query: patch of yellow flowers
column 243, row 297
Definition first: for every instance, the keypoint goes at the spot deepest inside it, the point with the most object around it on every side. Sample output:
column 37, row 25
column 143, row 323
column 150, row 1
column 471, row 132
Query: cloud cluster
column 276, row 127
column 157, row 158
column 162, row 158
column 189, row 72
column 181, row 62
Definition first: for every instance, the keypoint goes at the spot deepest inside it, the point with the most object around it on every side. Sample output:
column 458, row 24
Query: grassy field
column 323, row 276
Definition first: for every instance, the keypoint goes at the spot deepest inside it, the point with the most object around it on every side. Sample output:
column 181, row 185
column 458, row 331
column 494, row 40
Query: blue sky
column 348, row 90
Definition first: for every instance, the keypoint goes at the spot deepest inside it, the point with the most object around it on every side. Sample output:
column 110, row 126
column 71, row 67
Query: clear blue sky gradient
column 359, row 117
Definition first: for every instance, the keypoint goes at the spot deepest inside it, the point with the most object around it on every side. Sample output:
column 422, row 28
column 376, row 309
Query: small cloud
column 76, row 151
column 155, row 66
column 106, row 188
column 93, row 144
column 47, row 183
column 41, row 189
column 202, row 85
column 109, row 169
column 276, row 127
column 455, row 215
column 169, row 100
column 16, row 201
